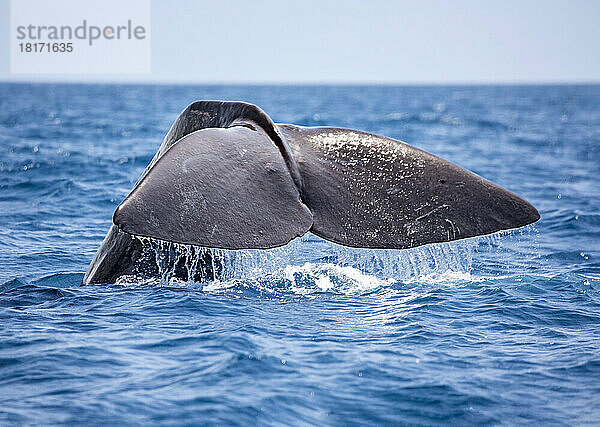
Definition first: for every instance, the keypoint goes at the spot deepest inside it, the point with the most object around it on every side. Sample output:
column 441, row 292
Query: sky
column 359, row 42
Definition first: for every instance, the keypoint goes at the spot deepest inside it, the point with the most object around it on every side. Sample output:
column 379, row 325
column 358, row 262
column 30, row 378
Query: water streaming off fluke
column 310, row 264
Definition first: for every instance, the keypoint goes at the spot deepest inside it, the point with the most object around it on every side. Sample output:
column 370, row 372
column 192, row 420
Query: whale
column 226, row 176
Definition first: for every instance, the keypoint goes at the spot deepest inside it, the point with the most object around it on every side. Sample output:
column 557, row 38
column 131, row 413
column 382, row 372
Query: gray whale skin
column 226, row 176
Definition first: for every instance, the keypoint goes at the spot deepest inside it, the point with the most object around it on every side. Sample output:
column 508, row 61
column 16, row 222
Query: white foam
column 311, row 278
column 311, row 265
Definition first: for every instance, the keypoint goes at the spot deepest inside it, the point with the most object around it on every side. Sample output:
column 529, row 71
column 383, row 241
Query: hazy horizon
column 354, row 43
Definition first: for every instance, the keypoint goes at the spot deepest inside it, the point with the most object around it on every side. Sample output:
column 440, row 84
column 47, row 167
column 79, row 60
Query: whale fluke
column 369, row 191
column 227, row 177
column 225, row 188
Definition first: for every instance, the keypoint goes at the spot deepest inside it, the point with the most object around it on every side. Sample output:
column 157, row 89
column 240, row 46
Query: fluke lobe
column 226, row 176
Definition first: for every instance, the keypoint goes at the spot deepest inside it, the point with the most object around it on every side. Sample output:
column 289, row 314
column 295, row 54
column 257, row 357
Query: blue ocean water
column 502, row 329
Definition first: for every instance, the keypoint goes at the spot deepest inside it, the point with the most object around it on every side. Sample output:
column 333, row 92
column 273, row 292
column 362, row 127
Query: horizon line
column 167, row 82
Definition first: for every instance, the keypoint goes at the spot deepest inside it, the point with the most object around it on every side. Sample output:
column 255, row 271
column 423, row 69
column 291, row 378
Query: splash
column 168, row 263
column 310, row 265
column 317, row 278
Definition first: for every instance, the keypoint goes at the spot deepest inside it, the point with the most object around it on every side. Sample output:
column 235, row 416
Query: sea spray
column 327, row 267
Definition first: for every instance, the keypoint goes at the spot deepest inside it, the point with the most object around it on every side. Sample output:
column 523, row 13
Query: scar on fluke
column 226, row 176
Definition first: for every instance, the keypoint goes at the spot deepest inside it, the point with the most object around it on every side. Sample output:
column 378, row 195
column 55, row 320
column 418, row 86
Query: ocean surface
column 501, row 329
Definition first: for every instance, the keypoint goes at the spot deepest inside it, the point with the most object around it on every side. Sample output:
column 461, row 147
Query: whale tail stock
column 226, row 176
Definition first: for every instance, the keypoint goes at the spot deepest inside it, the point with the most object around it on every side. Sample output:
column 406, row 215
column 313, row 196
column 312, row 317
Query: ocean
column 499, row 329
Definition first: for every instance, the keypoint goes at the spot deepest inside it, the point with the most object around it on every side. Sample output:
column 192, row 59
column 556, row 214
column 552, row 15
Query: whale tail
column 226, row 176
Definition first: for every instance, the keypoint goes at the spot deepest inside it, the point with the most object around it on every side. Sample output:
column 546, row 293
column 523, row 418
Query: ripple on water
column 499, row 329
